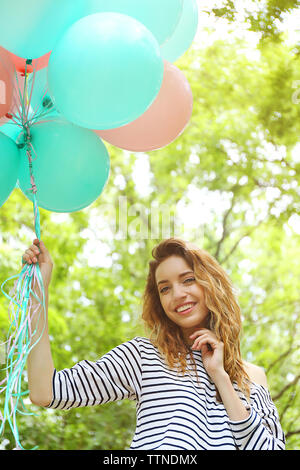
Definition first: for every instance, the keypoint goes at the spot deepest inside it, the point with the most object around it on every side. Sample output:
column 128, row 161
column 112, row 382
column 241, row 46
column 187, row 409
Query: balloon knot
column 47, row 103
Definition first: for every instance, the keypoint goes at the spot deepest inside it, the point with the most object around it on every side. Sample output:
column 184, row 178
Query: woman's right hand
column 38, row 253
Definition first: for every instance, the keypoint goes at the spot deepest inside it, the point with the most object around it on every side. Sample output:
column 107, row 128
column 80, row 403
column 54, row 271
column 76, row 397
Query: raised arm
column 40, row 365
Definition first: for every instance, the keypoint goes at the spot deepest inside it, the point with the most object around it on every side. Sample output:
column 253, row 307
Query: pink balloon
column 16, row 86
column 163, row 121
column 37, row 64
column 6, row 82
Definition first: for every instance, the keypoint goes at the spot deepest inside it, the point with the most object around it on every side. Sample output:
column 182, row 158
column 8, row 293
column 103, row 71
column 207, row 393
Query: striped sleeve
column 261, row 430
column 115, row 376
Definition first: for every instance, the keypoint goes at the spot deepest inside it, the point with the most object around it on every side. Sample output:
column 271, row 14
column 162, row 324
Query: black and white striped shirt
column 173, row 411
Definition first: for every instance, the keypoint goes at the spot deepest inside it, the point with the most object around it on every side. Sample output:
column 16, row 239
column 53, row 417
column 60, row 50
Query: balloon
column 37, row 64
column 159, row 16
column 163, row 122
column 9, row 162
column 30, row 28
column 184, row 34
column 70, row 166
column 40, row 98
column 11, row 129
column 6, row 82
column 105, row 71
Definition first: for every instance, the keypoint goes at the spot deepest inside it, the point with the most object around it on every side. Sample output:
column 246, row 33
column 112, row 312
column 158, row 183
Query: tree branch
column 290, row 384
column 224, row 234
column 249, row 232
column 291, row 433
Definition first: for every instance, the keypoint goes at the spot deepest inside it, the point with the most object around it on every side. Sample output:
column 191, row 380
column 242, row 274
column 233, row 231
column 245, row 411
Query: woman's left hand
column 212, row 351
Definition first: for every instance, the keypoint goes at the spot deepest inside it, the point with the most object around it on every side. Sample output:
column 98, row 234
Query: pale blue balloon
column 30, row 28
column 9, row 166
column 70, row 166
column 159, row 16
column 11, row 129
column 184, row 33
column 105, row 71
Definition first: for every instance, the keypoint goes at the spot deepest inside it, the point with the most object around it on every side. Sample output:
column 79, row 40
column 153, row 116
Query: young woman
column 192, row 388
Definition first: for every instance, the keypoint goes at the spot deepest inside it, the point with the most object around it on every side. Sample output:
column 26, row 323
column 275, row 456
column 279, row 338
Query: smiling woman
column 214, row 304
column 190, row 384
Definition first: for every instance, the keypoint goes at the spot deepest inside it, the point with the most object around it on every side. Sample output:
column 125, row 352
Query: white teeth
column 184, row 307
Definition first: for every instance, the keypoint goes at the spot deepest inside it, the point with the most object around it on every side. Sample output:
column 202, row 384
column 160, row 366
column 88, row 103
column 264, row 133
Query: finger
column 35, row 249
column 206, row 339
column 25, row 260
column 40, row 246
column 199, row 344
column 203, row 346
column 200, row 339
column 31, row 252
column 30, row 255
column 199, row 332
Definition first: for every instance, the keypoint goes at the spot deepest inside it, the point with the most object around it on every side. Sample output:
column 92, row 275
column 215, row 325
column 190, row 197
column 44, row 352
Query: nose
column 179, row 292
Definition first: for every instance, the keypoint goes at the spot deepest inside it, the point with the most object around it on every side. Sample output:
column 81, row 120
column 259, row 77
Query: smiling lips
column 185, row 308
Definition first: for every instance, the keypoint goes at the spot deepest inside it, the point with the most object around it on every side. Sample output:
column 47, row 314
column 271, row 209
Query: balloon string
column 20, row 339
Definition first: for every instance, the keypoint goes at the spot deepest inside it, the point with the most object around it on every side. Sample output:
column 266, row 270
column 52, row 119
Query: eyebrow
column 180, row 275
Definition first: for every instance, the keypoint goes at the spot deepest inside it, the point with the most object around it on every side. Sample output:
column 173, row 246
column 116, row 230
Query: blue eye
column 163, row 290
column 190, row 279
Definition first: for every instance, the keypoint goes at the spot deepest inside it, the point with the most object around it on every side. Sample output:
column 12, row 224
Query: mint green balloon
column 30, row 28
column 184, row 33
column 105, row 71
column 71, row 166
column 11, row 129
column 9, row 166
column 159, row 16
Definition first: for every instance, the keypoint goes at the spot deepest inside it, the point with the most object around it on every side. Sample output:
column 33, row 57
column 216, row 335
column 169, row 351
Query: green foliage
column 239, row 156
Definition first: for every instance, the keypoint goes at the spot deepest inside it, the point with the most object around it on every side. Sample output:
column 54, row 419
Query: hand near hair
column 212, row 352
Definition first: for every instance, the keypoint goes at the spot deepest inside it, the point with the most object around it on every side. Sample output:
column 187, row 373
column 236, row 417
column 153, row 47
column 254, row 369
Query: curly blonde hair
column 224, row 317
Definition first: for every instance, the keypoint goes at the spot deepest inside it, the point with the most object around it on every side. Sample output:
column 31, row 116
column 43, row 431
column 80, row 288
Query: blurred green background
column 230, row 183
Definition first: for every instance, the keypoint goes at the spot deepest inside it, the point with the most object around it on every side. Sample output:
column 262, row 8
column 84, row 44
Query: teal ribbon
column 20, row 335
column 19, row 339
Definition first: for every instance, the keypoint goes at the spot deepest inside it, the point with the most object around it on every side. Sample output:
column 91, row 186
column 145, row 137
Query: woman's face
column 181, row 296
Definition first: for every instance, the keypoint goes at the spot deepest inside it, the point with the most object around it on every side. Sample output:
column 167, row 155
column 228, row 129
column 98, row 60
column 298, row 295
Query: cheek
column 198, row 291
column 163, row 303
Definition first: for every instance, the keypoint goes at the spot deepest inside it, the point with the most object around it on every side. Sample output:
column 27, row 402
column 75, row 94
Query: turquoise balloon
column 105, row 71
column 30, row 28
column 71, row 166
column 184, row 33
column 41, row 101
column 9, row 164
column 159, row 16
column 11, row 129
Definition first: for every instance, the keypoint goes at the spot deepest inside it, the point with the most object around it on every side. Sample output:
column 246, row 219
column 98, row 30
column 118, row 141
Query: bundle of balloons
column 75, row 73
column 98, row 71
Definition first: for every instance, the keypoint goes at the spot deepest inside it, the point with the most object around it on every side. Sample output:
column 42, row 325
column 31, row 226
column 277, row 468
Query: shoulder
column 256, row 374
